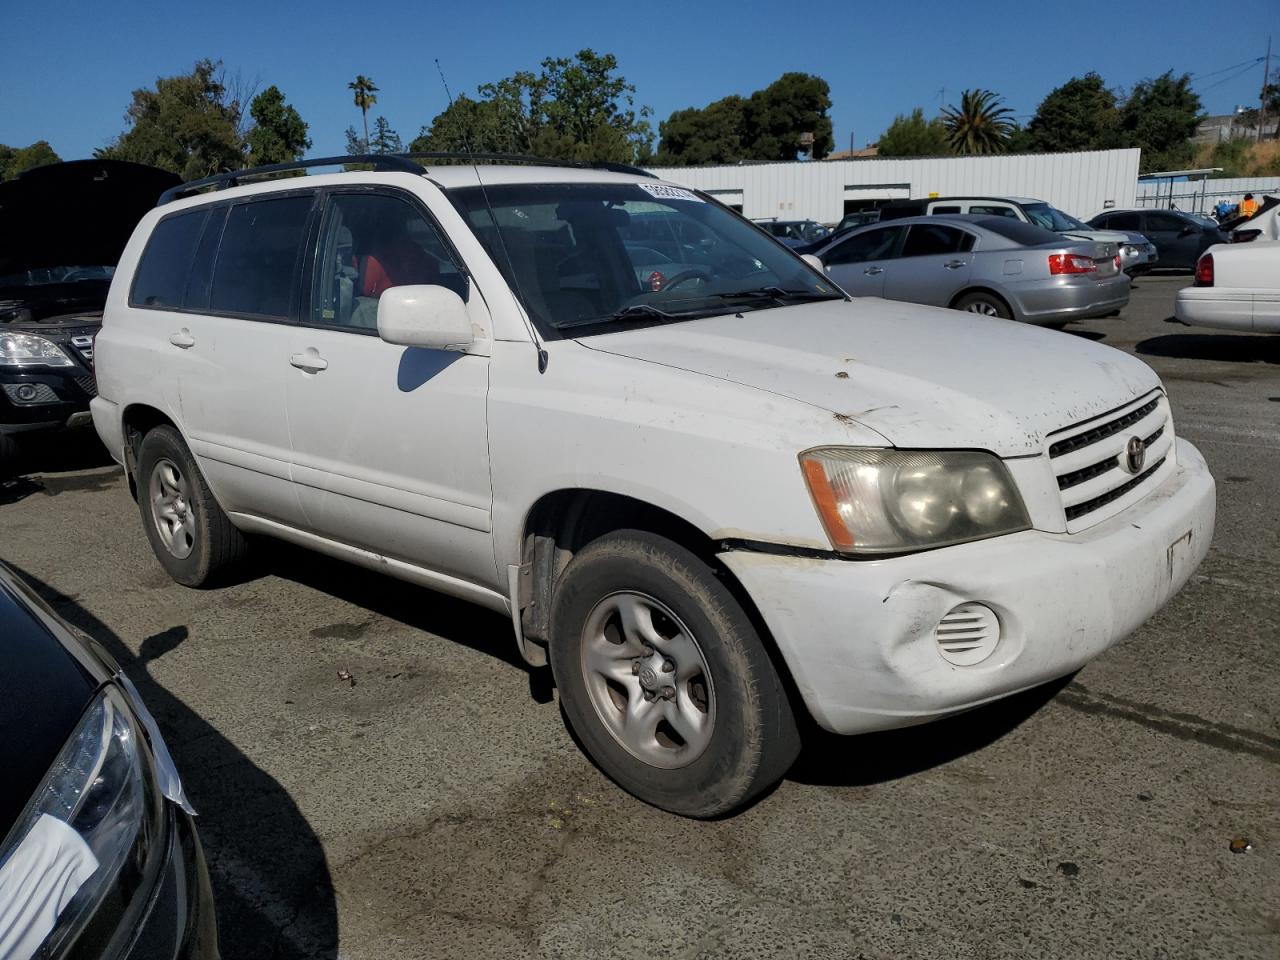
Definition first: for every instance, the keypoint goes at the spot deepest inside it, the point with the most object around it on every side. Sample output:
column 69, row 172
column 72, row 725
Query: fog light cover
column 968, row 634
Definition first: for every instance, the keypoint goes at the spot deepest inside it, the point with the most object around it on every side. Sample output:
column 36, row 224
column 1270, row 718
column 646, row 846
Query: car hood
column 82, row 212
column 918, row 376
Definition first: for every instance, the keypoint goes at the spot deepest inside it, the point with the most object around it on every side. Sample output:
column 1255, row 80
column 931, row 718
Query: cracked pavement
column 437, row 807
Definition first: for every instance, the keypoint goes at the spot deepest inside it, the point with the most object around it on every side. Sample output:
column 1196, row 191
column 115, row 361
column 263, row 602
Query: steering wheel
column 684, row 276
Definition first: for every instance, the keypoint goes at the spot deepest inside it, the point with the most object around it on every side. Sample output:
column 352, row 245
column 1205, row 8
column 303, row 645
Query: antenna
column 511, row 270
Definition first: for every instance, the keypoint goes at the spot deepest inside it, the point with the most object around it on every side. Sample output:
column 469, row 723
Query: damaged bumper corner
column 860, row 636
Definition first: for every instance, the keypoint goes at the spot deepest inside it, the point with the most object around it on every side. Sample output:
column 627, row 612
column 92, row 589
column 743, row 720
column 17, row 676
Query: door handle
column 182, row 338
column 873, row 271
column 310, row 361
column 956, row 264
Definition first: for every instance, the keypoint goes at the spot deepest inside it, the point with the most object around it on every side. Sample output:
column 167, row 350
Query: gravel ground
column 437, row 808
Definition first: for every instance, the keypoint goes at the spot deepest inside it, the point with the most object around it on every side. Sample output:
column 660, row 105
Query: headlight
column 1129, row 250
column 891, row 501
column 84, row 833
column 28, row 350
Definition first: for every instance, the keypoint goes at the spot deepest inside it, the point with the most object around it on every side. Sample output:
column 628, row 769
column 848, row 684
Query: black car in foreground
column 62, row 230
column 99, row 857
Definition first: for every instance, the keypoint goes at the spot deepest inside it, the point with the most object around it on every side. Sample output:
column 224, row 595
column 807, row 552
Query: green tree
column 698, row 137
column 576, row 108
column 16, row 160
column 1160, row 116
column 1079, row 115
column 777, row 116
column 279, row 134
column 980, row 125
column 365, row 95
column 914, row 136
column 189, row 125
column 385, row 139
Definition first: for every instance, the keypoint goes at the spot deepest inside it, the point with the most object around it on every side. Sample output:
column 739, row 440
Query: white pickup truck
column 714, row 492
column 1237, row 285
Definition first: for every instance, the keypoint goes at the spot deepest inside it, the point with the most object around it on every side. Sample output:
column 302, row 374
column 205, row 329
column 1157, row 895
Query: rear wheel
column 987, row 304
column 189, row 533
column 664, row 679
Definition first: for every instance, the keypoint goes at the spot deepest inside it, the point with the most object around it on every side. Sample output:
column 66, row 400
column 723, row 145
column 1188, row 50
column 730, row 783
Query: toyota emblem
column 1135, row 454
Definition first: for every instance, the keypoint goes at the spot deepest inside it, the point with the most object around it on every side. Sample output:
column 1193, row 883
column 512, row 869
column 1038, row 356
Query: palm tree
column 365, row 97
column 980, row 124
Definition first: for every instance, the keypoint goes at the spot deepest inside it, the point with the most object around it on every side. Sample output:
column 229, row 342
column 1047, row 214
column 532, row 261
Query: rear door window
column 932, row 239
column 1165, row 223
column 257, row 260
column 1122, row 221
column 165, row 264
column 872, row 245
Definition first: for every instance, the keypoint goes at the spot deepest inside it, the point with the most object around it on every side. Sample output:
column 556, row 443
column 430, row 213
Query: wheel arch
column 563, row 521
column 136, row 420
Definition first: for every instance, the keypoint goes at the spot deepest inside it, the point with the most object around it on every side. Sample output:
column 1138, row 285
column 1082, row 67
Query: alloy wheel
column 171, row 508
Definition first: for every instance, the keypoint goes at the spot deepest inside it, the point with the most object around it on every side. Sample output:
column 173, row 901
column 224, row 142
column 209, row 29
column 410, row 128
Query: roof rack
column 384, row 162
column 534, row 161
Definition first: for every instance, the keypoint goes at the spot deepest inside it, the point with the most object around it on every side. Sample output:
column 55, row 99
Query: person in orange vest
column 1248, row 206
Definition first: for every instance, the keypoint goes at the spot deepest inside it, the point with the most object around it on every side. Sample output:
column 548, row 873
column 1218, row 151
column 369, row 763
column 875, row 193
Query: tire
column 987, row 304
column 719, row 730
column 10, row 457
column 189, row 534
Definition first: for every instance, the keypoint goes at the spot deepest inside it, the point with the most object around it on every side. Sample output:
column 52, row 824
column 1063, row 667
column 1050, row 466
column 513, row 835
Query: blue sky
column 69, row 68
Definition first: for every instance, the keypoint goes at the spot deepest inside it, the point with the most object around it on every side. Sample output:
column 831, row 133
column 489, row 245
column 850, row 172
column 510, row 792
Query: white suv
column 710, row 488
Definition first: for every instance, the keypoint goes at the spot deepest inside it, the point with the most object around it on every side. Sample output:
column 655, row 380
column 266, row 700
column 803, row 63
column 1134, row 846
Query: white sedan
column 1237, row 287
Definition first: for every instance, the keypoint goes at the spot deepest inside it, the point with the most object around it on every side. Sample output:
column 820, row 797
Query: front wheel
column 986, row 304
column 664, row 679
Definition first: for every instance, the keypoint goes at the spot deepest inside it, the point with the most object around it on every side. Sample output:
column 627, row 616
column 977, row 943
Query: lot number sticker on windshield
column 664, row 192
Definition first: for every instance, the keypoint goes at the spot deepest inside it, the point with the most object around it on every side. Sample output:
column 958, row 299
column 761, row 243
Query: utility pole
column 1262, row 97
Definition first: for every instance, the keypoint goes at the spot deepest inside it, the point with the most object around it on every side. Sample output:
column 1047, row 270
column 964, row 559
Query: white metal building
column 1082, row 183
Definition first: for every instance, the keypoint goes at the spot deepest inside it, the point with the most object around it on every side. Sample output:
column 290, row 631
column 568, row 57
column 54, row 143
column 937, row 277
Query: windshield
column 589, row 258
column 1051, row 218
column 67, row 274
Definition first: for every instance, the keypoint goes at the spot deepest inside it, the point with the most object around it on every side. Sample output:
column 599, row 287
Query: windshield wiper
column 778, row 293
column 634, row 311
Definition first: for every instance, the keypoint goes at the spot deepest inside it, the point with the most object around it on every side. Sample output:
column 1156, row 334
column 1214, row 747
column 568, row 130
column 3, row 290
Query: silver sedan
column 984, row 264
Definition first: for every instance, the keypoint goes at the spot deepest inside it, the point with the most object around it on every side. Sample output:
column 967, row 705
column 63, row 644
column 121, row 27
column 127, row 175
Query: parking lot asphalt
column 434, row 806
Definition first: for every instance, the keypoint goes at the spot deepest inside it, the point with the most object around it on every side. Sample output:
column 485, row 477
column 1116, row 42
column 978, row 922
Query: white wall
column 1079, row 183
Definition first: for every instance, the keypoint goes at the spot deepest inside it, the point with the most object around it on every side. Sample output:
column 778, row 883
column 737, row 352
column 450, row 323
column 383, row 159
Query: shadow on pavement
column 831, row 760
column 1227, row 347
column 271, row 883
column 417, row 607
column 53, row 453
column 1086, row 334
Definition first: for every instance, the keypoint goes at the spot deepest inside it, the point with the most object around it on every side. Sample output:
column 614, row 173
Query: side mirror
column 424, row 315
column 814, row 262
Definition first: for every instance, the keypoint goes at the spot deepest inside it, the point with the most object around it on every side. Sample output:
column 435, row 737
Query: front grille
column 84, row 347
column 1091, row 464
column 88, row 384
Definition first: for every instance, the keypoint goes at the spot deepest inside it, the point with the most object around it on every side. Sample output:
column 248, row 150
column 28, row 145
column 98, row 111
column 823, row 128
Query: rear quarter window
column 161, row 277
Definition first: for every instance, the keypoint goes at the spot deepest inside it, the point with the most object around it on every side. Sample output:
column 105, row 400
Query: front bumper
column 179, row 923
column 1072, row 298
column 62, row 398
column 858, row 635
column 1143, row 258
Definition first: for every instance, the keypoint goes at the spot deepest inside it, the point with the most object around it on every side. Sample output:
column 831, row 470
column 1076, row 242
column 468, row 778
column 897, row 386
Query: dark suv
column 62, row 229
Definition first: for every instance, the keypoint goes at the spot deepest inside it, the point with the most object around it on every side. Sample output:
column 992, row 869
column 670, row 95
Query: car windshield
column 65, row 274
column 1051, row 218
column 588, row 258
